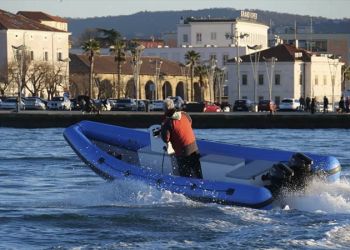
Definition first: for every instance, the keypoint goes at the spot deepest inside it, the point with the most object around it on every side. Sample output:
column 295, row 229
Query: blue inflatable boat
column 232, row 174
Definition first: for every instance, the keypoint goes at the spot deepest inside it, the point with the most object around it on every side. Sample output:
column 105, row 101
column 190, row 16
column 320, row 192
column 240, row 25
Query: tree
column 5, row 79
column 53, row 79
column 37, row 76
column 109, row 38
column 118, row 50
column 91, row 47
column 192, row 59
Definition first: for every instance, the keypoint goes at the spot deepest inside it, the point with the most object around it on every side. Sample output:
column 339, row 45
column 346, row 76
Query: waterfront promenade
column 300, row 120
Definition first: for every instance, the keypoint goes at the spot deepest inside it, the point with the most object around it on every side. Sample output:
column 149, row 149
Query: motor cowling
column 292, row 175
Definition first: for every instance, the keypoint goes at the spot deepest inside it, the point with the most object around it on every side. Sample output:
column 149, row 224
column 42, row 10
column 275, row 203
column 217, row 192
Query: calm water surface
column 50, row 200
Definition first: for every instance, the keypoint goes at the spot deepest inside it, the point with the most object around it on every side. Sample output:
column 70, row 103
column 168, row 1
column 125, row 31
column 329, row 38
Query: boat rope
column 159, row 181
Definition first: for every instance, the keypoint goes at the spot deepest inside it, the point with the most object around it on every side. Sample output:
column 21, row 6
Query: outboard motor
column 301, row 165
column 293, row 174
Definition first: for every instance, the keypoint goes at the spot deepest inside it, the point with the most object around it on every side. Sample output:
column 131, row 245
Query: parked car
column 125, row 104
column 289, row 104
column 193, row 107
column 157, row 105
column 211, row 107
column 267, row 105
column 243, row 105
column 141, row 106
column 178, row 101
column 34, row 103
column 11, row 103
column 102, row 104
column 59, row 103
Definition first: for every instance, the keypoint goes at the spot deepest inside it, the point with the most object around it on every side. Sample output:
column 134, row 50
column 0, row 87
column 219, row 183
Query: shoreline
column 53, row 119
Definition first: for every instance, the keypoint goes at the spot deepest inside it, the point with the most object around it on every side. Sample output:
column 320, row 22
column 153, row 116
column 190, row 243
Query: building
column 285, row 71
column 46, row 19
column 26, row 44
column 158, row 79
column 217, row 38
column 303, row 37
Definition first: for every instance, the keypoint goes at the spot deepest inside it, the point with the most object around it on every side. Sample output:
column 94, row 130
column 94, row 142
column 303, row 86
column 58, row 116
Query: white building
column 43, row 43
column 294, row 73
column 215, row 38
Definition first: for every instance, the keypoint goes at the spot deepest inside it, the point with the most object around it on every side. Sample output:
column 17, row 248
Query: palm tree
column 202, row 72
column 91, row 47
column 110, row 37
column 192, row 59
column 118, row 50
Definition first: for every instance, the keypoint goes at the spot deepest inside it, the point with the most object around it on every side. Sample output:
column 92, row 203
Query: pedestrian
column 302, row 103
column 313, row 105
column 347, row 104
column 307, row 103
column 177, row 129
column 325, row 104
column 341, row 105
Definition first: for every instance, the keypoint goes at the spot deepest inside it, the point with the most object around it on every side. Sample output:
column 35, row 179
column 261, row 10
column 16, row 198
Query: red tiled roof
column 107, row 65
column 40, row 16
column 12, row 21
column 283, row 53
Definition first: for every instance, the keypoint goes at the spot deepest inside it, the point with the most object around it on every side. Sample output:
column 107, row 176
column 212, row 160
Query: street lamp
column 333, row 62
column 220, row 77
column 136, row 64
column 22, row 49
column 66, row 61
column 235, row 37
column 270, row 74
column 158, row 65
column 210, row 71
column 185, row 71
column 255, row 67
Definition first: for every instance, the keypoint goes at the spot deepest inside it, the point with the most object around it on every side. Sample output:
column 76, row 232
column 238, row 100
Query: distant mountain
column 147, row 24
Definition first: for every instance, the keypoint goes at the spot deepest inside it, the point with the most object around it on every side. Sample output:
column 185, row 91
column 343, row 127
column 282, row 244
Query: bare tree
column 5, row 80
column 37, row 76
column 54, row 79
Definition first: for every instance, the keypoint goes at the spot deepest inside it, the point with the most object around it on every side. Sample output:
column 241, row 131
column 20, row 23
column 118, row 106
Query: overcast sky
column 90, row 8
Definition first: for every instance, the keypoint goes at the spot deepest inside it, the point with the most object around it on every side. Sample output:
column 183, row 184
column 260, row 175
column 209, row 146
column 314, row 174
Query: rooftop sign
column 249, row 15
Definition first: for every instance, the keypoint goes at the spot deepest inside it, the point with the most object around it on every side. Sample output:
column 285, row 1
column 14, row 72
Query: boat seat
column 215, row 167
column 251, row 169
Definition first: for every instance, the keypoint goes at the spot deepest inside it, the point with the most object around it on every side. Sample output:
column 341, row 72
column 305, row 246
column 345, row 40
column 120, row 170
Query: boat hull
column 94, row 143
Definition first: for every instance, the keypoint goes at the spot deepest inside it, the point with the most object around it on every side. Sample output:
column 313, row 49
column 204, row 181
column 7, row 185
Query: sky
column 335, row 9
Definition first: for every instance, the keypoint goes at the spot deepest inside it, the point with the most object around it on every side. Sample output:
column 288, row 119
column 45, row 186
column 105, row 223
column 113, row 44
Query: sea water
column 50, row 200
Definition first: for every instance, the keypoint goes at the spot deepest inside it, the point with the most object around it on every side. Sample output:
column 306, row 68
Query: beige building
column 285, row 71
column 29, row 46
column 158, row 79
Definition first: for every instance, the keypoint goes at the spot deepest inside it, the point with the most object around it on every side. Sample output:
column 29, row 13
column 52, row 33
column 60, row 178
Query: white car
column 10, row 103
column 289, row 104
column 59, row 103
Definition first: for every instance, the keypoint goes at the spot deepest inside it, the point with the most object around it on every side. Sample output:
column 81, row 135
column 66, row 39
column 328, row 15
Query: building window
column 224, row 59
column 301, row 79
column 244, row 79
column 199, row 37
column 213, row 35
column 261, row 98
column 185, row 38
column 316, row 79
column 59, row 56
column 277, row 100
column 212, row 57
column 46, row 56
column 245, row 97
column 277, row 79
column 32, row 55
column 261, row 79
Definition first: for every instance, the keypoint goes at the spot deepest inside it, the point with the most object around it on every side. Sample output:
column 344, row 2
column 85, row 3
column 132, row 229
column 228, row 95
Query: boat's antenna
column 164, row 150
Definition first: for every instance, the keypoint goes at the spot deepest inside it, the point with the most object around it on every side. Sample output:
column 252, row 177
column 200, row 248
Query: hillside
column 146, row 24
